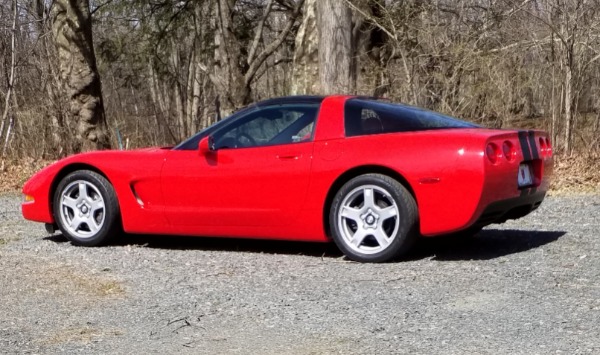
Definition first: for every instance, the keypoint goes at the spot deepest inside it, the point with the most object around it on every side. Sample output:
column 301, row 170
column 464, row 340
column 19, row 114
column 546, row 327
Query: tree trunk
column 72, row 33
column 6, row 122
column 568, row 109
column 305, row 74
column 189, row 91
column 196, row 94
column 334, row 20
column 178, row 95
column 229, row 80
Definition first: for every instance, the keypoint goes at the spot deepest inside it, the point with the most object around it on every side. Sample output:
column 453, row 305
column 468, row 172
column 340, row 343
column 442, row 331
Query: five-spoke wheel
column 82, row 208
column 373, row 218
column 86, row 208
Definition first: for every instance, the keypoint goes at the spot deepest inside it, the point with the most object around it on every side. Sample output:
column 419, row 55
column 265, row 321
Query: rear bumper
column 512, row 208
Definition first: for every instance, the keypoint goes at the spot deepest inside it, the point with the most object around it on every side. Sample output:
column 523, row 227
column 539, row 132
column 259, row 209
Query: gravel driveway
column 530, row 286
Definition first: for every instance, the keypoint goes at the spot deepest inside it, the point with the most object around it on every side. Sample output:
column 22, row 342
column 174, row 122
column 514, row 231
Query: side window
column 364, row 117
column 360, row 121
column 273, row 125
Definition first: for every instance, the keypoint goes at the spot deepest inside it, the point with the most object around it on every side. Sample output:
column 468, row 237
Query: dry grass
column 5, row 240
column 37, row 281
column 75, row 282
column 576, row 175
column 57, row 280
column 79, row 335
column 13, row 174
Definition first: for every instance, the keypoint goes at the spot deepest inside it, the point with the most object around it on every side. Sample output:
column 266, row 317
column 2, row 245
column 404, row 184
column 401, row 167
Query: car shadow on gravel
column 487, row 244
column 223, row 244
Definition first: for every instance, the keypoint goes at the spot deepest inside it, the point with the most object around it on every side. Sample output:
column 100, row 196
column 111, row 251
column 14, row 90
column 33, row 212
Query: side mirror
column 206, row 145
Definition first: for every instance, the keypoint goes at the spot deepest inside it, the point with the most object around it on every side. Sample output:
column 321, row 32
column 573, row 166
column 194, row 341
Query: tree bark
column 5, row 121
column 72, row 34
column 199, row 79
column 228, row 78
column 568, row 109
column 334, row 19
column 305, row 73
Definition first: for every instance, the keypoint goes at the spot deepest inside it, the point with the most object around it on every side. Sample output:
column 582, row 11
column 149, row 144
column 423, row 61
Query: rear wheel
column 373, row 218
column 86, row 209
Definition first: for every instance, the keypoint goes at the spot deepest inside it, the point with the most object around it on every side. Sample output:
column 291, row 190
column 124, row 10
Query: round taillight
column 509, row 150
column 543, row 146
column 493, row 152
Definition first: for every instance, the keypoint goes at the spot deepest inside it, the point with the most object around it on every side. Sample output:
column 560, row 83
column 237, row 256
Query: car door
column 257, row 175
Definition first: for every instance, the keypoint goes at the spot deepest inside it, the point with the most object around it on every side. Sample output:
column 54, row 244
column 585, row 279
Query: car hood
column 139, row 162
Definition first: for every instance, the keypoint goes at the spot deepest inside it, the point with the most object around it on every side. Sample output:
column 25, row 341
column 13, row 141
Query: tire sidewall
column 407, row 218
column 111, row 208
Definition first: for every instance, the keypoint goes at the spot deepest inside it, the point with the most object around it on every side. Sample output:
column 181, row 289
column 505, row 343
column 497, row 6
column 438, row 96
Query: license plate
column 524, row 175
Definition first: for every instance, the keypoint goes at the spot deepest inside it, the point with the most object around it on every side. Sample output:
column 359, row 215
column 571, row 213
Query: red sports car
column 371, row 175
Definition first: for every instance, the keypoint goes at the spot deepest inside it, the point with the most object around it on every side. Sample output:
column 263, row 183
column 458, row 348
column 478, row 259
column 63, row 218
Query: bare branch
column 259, row 32
column 271, row 48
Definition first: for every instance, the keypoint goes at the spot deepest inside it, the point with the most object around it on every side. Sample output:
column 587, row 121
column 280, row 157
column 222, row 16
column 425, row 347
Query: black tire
column 86, row 209
column 379, row 234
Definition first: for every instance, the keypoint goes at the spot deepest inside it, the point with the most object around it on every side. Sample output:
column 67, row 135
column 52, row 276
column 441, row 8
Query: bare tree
column 234, row 72
column 72, row 33
column 305, row 75
column 335, row 47
column 571, row 25
column 5, row 121
column 324, row 58
column 168, row 65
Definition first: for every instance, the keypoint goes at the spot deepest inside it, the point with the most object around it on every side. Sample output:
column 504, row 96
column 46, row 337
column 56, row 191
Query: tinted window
column 272, row 125
column 192, row 142
column 364, row 117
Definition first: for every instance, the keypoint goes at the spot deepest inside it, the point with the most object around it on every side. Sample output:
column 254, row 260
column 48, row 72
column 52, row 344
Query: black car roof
column 299, row 99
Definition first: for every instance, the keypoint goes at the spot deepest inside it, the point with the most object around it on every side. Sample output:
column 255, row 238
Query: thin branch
column 259, row 32
column 100, row 6
column 266, row 67
column 259, row 60
column 211, row 76
column 371, row 19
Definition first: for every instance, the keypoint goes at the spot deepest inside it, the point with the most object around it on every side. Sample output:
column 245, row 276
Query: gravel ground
column 526, row 287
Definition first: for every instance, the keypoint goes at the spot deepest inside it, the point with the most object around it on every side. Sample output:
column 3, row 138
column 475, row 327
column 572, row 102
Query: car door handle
column 290, row 156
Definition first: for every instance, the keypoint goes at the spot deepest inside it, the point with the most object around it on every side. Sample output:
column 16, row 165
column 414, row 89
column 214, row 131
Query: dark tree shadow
column 487, row 244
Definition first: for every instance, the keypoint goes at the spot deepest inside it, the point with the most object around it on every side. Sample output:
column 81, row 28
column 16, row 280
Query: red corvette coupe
column 371, row 175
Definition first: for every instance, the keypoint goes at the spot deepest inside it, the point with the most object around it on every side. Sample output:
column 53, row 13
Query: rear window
column 364, row 117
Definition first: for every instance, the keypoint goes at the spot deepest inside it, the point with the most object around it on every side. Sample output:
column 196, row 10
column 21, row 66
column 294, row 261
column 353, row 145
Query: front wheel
column 86, row 209
column 373, row 218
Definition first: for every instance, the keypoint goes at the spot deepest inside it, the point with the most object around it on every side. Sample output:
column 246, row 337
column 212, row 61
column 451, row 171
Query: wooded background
column 77, row 75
